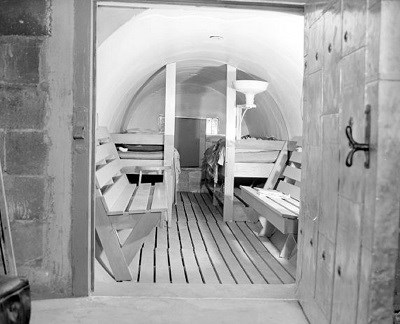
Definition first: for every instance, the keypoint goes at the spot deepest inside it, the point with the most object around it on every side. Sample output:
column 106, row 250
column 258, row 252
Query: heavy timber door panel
column 348, row 234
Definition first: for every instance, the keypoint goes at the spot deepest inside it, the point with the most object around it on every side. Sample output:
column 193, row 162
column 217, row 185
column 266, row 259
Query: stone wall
column 35, row 150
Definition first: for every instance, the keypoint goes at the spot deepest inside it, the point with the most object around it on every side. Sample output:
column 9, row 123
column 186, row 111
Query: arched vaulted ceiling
column 261, row 44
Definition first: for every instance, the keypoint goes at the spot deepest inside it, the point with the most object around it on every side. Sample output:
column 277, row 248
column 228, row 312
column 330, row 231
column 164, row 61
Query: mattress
column 142, row 155
column 141, row 147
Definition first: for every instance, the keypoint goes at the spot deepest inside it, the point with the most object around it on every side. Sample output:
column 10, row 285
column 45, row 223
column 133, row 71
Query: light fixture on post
column 250, row 88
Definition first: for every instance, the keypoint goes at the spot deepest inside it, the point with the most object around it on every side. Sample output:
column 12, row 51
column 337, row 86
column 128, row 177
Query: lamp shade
column 250, row 88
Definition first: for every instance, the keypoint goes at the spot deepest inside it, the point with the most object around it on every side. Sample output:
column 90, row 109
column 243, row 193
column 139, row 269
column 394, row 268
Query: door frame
column 82, row 198
column 84, row 121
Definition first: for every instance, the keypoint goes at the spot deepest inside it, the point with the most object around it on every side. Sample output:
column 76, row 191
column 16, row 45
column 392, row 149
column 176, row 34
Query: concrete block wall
column 34, row 109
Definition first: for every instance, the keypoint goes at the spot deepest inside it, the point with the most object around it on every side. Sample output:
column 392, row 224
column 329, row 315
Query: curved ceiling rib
column 266, row 45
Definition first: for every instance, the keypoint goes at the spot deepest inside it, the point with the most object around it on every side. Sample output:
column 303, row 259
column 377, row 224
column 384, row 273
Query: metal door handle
column 355, row 146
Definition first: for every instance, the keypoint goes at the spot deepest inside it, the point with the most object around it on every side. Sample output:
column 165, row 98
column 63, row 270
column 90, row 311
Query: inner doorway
column 190, row 139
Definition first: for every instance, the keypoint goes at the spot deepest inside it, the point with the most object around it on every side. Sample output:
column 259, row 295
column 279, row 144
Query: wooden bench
column 122, row 205
column 278, row 211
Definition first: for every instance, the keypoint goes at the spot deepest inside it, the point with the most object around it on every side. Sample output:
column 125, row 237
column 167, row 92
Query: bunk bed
column 254, row 158
column 139, row 148
column 146, row 153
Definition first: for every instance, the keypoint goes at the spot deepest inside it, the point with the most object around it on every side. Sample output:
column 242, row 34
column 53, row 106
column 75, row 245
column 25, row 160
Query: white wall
column 268, row 45
column 189, row 103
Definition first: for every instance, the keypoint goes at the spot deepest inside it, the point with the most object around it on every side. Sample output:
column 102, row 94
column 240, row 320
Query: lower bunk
column 146, row 155
column 254, row 161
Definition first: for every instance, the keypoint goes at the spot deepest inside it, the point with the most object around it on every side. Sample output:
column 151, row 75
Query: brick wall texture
column 24, row 144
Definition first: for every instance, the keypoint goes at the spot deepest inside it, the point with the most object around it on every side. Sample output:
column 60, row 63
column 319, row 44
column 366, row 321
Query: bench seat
column 279, row 208
column 135, row 199
column 281, row 213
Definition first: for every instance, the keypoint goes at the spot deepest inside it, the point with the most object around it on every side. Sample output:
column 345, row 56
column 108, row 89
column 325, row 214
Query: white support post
column 238, row 123
column 169, row 134
column 230, row 143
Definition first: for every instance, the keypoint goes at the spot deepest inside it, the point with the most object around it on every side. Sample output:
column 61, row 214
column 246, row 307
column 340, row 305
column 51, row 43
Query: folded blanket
column 271, row 193
column 141, row 155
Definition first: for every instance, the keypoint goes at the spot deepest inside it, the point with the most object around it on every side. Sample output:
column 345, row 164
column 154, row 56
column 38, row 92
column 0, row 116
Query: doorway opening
column 190, row 138
column 196, row 246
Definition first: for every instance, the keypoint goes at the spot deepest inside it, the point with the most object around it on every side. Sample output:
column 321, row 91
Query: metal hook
column 355, row 146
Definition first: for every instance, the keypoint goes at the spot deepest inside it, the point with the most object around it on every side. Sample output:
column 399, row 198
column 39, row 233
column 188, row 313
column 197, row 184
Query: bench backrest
column 290, row 184
column 288, row 165
column 113, row 186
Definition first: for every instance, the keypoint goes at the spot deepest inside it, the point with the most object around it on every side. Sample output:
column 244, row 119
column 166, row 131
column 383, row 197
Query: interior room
column 147, row 87
column 202, row 161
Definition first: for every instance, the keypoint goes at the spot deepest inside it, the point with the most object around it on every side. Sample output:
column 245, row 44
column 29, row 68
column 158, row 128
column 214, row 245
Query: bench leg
column 288, row 247
column 112, row 248
column 164, row 220
column 267, row 228
column 138, row 235
column 170, row 186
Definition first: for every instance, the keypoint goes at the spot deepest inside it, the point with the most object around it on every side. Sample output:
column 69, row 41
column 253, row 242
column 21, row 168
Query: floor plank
column 224, row 275
column 173, row 237
column 190, row 216
column 206, row 267
column 185, row 198
column 263, row 268
column 161, row 256
column 206, row 212
column 289, row 265
column 216, row 210
column 191, row 267
column 181, row 215
column 202, row 255
column 190, row 262
column 234, row 266
column 162, row 239
column 241, row 255
column 176, row 264
column 216, row 213
column 184, row 236
column 197, row 247
column 161, row 266
column 147, row 260
column 175, row 258
column 266, row 255
column 229, row 242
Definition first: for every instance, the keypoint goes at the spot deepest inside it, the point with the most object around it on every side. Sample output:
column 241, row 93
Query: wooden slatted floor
column 199, row 248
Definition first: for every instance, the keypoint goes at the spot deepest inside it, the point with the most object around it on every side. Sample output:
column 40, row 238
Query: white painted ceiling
column 265, row 45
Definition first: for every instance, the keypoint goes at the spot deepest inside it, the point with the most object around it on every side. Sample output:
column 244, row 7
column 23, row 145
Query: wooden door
column 348, row 233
